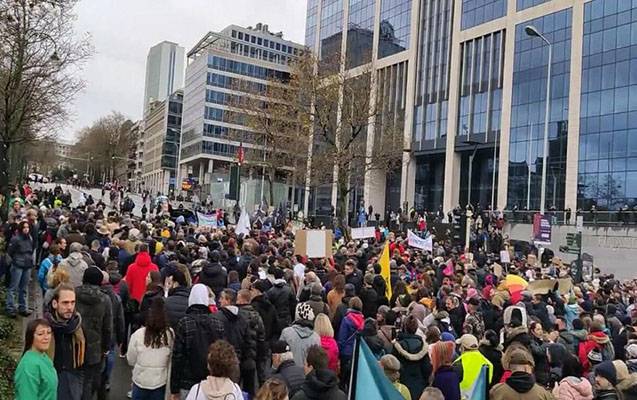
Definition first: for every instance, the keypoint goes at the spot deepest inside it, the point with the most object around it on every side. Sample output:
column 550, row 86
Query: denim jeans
column 148, row 394
column 19, row 282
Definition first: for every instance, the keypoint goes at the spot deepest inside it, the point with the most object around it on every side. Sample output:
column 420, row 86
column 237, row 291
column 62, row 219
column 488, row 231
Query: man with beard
column 68, row 343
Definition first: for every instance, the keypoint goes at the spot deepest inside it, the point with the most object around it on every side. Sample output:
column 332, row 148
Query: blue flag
column 368, row 380
column 479, row 389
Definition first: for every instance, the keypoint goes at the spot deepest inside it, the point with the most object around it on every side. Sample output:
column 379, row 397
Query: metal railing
column 597, row 218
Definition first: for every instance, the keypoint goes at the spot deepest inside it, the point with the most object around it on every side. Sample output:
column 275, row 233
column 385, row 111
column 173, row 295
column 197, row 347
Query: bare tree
column 39, row 60
column 103, row 148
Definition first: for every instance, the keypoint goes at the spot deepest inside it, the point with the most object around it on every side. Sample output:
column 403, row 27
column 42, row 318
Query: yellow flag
column 384, row 270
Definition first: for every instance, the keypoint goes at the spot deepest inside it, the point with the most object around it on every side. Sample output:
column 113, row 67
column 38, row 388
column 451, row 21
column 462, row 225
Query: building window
column 259, row 41
column 527, row 112
column 395, row 16
column 234, row 33
column 240, row 36
column 476, row 12
column 524, row 4
column 360, row 32
column 607, row 170
column 331, row 28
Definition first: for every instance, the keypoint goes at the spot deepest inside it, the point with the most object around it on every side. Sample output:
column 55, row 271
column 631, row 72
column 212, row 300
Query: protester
column 521, row 384
column 606, row 381
column 35, row 376
column 74, row 264
column 284, row 368
column 413, row 354
column 223, row 367
column 445, row 377
column 323, row 328
column 391, row 368
column 20, row 250
column 320, row 381
column 470, row 363
column 272, row 389
column 301, row 336
column 149, row 352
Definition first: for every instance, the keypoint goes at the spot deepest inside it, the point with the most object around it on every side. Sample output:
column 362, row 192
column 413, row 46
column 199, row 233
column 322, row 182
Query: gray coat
column 300, row 337
column 74, row 265
column 21, row 251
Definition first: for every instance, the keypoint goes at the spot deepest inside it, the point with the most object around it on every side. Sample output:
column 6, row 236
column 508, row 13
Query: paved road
column 97, row 194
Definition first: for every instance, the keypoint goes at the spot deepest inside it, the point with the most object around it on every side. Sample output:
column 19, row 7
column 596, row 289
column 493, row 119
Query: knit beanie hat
column 606, row 369
column 631, row 351
column 304, row 311
column 93, row 276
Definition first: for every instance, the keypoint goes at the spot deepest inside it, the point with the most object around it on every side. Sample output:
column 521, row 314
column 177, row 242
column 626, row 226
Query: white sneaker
column 129, row 394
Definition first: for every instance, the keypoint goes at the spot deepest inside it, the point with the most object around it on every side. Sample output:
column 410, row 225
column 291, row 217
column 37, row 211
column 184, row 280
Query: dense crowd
column 206, row 313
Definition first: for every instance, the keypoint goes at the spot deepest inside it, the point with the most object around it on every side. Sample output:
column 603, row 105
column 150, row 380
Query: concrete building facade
column 472, row 83
column 219, row 66
column 161, row 138
column 164, row 72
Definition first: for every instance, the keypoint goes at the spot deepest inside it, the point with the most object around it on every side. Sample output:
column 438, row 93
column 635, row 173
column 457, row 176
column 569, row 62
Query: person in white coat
column 223, row 366
column 149, row 352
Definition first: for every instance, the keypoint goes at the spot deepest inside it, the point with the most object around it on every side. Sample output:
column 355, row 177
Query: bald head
column 243, row 296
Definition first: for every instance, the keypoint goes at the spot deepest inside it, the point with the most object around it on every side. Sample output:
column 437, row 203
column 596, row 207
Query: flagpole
column 352, row 390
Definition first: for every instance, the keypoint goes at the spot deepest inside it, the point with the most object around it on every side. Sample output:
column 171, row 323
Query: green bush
column 7, row 329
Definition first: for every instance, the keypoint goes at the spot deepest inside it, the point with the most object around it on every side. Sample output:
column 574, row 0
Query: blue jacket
column 45, row 266
column 351, row 324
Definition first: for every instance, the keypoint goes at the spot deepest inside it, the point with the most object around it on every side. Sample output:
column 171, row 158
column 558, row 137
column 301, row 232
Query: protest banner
column 416, row 241
column 363, row 233
column 207, row 219
column 543, row 286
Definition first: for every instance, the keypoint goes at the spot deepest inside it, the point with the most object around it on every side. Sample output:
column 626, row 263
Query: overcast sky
column 122, row 31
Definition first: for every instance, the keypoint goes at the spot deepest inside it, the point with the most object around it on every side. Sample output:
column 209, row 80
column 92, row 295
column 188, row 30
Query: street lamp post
column 472, row 156
column 532, row 31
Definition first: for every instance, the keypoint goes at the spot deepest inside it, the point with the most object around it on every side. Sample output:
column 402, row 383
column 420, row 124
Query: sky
column 122, row 31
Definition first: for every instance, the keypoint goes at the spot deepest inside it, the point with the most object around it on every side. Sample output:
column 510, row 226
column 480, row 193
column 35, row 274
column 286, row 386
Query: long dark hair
column 157, row 332
column 30, row 332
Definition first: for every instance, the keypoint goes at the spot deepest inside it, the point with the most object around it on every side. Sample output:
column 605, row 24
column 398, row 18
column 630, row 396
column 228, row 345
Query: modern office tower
column 164, row 72
column 162, row 132
column 219, row 66
column 471, row 78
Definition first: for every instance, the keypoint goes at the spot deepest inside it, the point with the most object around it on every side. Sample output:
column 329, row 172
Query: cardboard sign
column 363, row 233
column 505, row 257
column 543, row 286
column 313, row 243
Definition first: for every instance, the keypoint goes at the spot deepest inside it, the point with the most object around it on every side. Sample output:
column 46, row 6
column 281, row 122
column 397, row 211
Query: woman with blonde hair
column 273, row 389
column 53, row 280
column 323, row 328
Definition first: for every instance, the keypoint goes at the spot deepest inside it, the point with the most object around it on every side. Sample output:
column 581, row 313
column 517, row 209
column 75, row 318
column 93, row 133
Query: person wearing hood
column 573, row 386
column 68, row 343
column 137, row 273
column 236, row 329
column 74, row 264
column 320, row 381
column 223, row 368
column 283, row 299
column 605, row 376
column 316, row 300
column 177, row 300
column 596, row 340
column 626, row 381
column 521, row 384
column 346, row 336
column 413, row 354
column 254, row 360
column 631, row 357
column 194, row 333
column 284, row 368
column 300, row 335
column 213, row 274
column 97, row 322
column 565, row 336
column 470, row 363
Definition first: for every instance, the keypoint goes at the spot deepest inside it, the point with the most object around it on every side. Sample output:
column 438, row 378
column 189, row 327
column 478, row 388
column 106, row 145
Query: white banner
column 363, row 233
column 207, row 220
column 243, row 226
column 416, row 241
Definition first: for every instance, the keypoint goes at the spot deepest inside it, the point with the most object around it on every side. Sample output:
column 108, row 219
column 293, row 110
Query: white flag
column 416, row 241
column 243, row 226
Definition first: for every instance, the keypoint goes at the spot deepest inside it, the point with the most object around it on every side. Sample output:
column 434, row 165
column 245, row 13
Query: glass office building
column 476, row 77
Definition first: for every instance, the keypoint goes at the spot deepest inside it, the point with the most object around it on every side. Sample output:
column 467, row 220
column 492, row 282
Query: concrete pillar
column 572, row 150
column 451, row 193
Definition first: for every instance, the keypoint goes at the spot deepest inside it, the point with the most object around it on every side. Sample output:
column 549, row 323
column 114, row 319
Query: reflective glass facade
column 608, row 124
column 432, row 88
column 310, row 22
column 524, row 4
column 476, row 12
column 360, row 32
column 331, row 27
column 481, row 90
column 395, row 23
column 430, row 176
column 528, row 111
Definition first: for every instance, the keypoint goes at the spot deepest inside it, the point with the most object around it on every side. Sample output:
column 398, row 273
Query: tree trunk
column 341, row 202
column 4, row 179
column 270, row 178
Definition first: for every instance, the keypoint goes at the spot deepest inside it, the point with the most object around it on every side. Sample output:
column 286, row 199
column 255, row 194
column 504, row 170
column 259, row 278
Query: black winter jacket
column 291, row 374
column 284, row 302
column 184, row 373
column 177, row 304
column 236, row 332
column 21, row 251
column 256, row 354
column 97, row 321
column 214, row 276
column 320, row 384
column 269, row 317
column 118, row 314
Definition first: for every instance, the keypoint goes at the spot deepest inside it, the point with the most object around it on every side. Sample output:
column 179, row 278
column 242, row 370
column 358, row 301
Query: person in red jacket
column 596, row 340
column 137, row 273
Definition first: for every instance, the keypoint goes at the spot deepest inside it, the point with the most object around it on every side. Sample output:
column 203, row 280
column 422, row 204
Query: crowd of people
column 207, row 313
